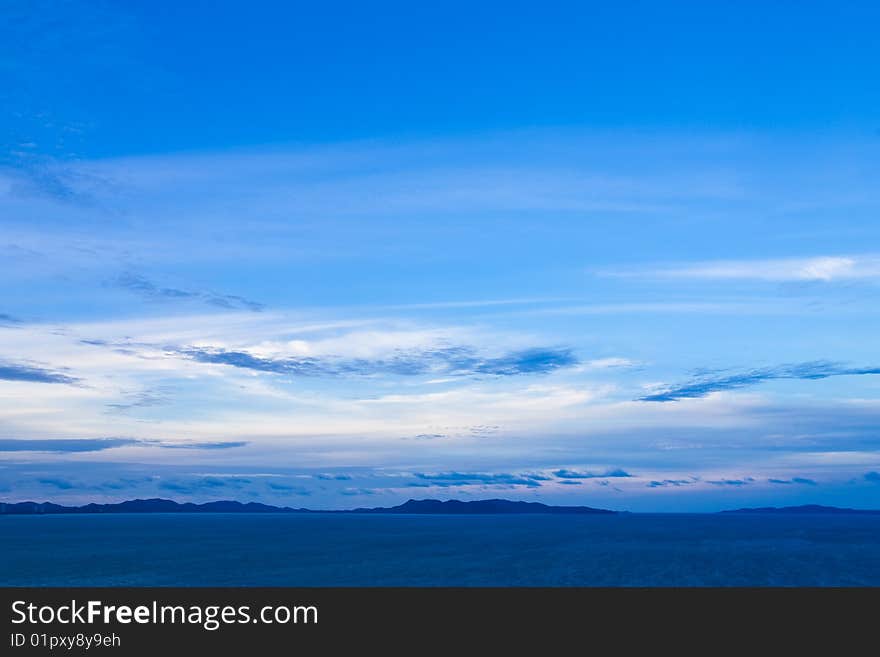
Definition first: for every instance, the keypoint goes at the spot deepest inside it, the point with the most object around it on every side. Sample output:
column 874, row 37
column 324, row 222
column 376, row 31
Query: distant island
column 805, row 509
column 457, row 507
column 437, row 507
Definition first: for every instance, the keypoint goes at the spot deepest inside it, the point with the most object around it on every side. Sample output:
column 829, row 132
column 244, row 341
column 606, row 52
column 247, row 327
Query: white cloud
column 820, row 268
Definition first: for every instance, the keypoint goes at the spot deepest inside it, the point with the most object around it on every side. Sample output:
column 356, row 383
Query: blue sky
column 625, row 256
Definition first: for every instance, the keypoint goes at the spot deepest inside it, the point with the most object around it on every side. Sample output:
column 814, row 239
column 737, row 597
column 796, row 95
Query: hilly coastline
column 437, row 507
column 416, row 507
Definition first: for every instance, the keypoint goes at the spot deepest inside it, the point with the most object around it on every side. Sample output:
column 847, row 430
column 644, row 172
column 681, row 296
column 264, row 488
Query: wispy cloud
column 702, row 386
column 453, row 361
column 8, row 320
column 197, row 445
column 73, row 445
column 609, row 363
column 59, row 179
column 450, row 479
column 147, row 288
column 63, row 445
column 139, row 399
column 820, row 268
column 32, row 374
column 794, row 480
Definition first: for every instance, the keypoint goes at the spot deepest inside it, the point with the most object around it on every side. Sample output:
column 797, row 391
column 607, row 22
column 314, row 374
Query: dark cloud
column 704, row 385
column 450, row 479
column 574, row 474
column 8, row 320
column 731, row 482
column 333, row 477
column 123, row 483
column 287, row 488
column 244, row 360
column 147, row 288
column 358, row 491
column 794, row 480
column 57, row 482
column 66, row 484
column 530, row 361
column 669, row 482
column 571, row 482
column 205, row 484
column 456, row 361
column 32, row 374
column 873, row 477
column 178, row 487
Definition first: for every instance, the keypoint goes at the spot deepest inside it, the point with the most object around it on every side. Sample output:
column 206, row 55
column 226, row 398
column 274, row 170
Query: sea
column 439, row 550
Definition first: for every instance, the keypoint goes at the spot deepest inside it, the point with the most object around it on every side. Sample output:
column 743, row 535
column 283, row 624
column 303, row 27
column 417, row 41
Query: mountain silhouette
column 457, row 507
column 158, row 505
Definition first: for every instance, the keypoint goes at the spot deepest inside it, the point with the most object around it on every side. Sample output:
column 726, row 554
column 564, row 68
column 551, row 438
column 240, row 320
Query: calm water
column 345, row 550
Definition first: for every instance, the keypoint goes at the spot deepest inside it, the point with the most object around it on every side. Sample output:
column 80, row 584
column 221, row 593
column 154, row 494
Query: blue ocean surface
column 432, row 550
